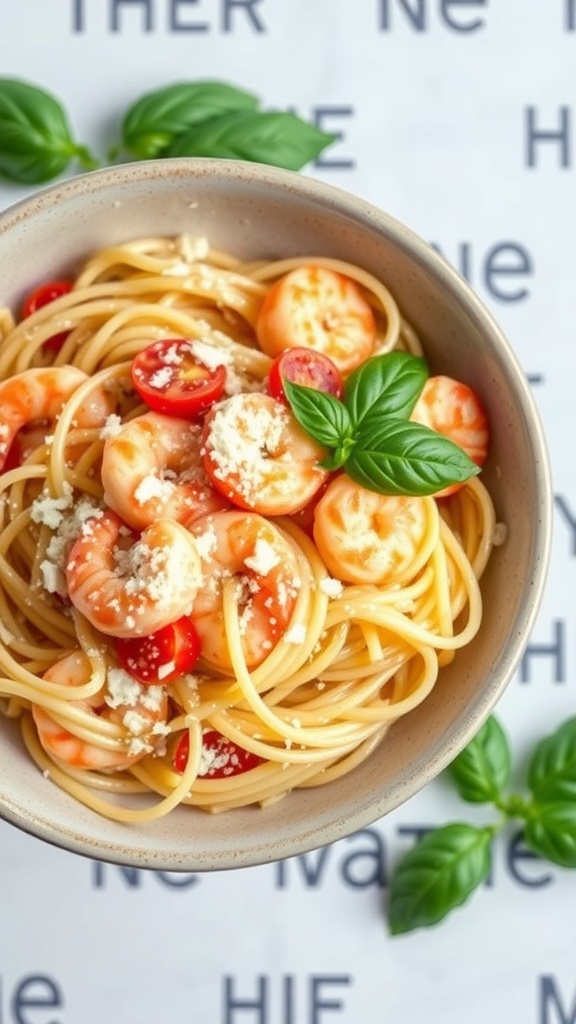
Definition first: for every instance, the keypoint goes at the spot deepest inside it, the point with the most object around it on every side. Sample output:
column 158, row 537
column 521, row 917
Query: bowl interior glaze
column 261, row 212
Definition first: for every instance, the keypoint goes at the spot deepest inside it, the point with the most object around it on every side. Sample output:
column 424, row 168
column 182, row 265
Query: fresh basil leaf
column 154, row 121
column 550, row 831
column 438, row 875
column 407, row 458
column 324, row 417
column 552, row 768
column 482, row 770
column 385, row 385
column 36, row 143
column 267, row 137
column 337, row 458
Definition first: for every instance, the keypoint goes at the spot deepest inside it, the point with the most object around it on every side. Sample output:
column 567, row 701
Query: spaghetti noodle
column 301, row 672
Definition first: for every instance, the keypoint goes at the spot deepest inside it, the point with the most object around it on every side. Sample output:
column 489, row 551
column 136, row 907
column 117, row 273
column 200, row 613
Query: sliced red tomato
column 163, row 655
column 42, row 296
column 172, row 380
column 223, row 757
column 307, row 367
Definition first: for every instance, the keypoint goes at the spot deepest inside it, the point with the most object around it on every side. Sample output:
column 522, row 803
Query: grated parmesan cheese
column 135, row 722
column 264, row 559
column 123, row 689
column 241, row 438
column 112, row 426
column 49, row 511
column 296, row 634
column 331, row 587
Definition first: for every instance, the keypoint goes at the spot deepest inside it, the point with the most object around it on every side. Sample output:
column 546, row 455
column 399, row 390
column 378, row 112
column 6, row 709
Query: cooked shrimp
column 455, row 410
column 258, row 456
column 152, row 469
column 317, row 308
column 127, row 587
column 251, row 551
column 39, row 394
column 365, row 537
column 139, row 712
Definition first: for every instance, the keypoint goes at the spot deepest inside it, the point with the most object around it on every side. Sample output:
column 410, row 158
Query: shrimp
column 251, row 551
column 152, row 469
column 454, row 410
column 39, row 394
column 139, row 711
column 365, row 537
column 313, row 307
column 258, row 456
column 127, row 587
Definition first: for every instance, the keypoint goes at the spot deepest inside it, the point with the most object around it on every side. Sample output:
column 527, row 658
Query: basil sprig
column 265, row 137
column 155, row 121
column 371, row 435
column 207, row 119
column 441, row 872
column 36, row 142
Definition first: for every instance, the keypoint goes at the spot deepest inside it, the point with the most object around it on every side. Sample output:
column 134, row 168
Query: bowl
column 260, row 212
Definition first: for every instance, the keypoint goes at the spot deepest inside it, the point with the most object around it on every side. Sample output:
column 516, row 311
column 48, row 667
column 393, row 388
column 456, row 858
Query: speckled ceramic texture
column 262, row 212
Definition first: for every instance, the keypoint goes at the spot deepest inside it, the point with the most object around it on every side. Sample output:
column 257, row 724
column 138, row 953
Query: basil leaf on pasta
column 268, row 137
column 156, row 120
column 321, row 415
column 385, row 385
column 407, row 458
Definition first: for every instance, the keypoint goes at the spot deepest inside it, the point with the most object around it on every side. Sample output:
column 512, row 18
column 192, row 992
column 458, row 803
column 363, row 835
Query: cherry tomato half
column 42, row 296
column 307, row 367
column 224, row 758
column 163, row 655
column 172, row 380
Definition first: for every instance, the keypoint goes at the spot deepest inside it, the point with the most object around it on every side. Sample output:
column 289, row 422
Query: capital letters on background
column 286, row 1000
column 456, row 15
column 323, row 118
column 568, row 518
column 552, row 133
column 501, row 270
column 171, row 15
column 550, row 654
column 551, row 1006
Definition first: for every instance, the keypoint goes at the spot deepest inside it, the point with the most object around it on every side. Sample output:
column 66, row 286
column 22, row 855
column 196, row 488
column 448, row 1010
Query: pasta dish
column 196, row 605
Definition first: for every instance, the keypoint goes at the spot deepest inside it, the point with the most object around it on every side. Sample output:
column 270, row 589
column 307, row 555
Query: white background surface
column 457, row 117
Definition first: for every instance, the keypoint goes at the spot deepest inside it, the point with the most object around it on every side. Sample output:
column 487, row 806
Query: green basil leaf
column 154, row 121
column 482, row 770
column 550, row 831
column 438, row 875
column 385, row 385
column 267, row 137
column 36, row 143
column 552, row 768
column 407, row 458
column 324, row 417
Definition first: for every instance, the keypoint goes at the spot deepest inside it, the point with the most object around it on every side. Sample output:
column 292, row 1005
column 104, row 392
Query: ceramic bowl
column 261, row 212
